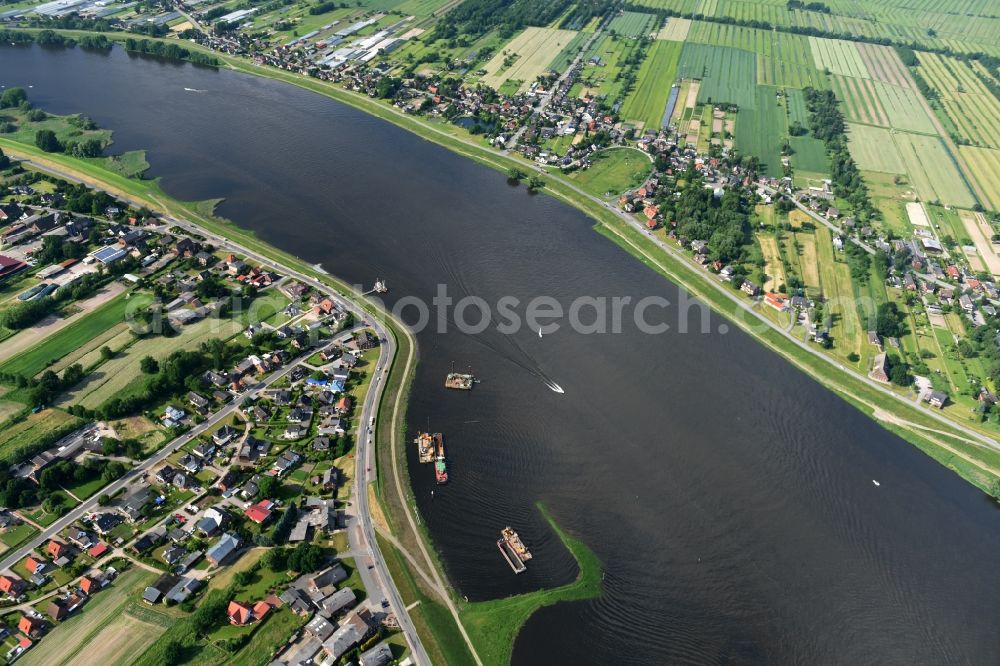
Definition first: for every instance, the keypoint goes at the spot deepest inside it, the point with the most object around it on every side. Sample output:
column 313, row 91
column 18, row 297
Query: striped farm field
column 968, row 103
column 535, row 49
column 774, row 72
column 782, row 46
column 873, row 149
column 860, row 100
column 839, row 57
column 760, row 130
column 883, row 64
column 985, row 165
column 932, row 171
column 727, row 75
column 648, row 100
column 676, row 30
column 633, row 24
column 904, row 108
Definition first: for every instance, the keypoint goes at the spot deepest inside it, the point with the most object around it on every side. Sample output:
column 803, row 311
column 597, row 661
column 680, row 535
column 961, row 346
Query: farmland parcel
column 532, row 51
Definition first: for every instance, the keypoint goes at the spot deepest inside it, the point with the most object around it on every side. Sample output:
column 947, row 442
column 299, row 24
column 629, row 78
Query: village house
column 880, row 369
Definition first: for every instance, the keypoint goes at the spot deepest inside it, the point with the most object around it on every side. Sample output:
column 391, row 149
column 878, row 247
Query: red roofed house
column 98, row 550
column 30, row 626
column 651, row 211
column 9, row 266
column 343, row 405
column 33, row 565
column 238, row 613
column 776, row 301
column 952, row 271
column 57, row 549
column 88, row 585
column 11, row 585
column 324, row 307
column 260, row 609
column 260, row 512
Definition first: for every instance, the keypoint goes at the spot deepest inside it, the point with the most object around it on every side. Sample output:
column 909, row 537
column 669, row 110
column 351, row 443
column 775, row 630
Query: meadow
column 985, row 165
column 535, row 49
column 873, row 149
column 633, row 24
column 839, row 57
column 566, row 56
column 648, row 101
column 969, row 104
column 809, row 154
column 860, row 101
column 728, row 75
column 77, row 334
column 932, row 170
column 675, row 30
column 760, row 130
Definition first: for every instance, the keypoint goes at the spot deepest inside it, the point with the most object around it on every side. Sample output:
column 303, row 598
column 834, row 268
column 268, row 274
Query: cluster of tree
column 889, row 321
column 723, row 223
column 859, row 263
column 285, row 524
column 304, row 558
column 118, row 447
column 827, row 124
column 66, row 472
column 324, row 7
column 16, row 492
column 13, row 97
column 54, row 250
column 475, row 18
column 178, row 372
column 172, row 51
column 807, row 6
column 16, row 37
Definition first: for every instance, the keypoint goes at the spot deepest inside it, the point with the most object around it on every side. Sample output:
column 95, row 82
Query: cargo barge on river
column 459, row 381
column 427, row 445
column 440, row 466
column 513, row 550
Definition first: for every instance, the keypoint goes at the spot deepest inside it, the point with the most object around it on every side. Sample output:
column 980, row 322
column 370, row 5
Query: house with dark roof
column 223, row 549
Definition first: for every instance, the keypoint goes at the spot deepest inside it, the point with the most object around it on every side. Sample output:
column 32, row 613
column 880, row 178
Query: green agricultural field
column 860, row 101
column 904, row 108
column 648, row 101
column 527, row 56
column 614, row 171
column 809, row 154
column 797, row 111
column 839, row 57
column 873, row 149
column 632, row 24
column 761, row 130
column 969, row 104
column 774, row 72
column 77, row 334
column 932, row 171
column 569, row 52
column 727, row 75
column 985, row 164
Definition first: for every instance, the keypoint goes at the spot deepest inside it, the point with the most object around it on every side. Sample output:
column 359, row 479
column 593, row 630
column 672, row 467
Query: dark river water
column 729, row 496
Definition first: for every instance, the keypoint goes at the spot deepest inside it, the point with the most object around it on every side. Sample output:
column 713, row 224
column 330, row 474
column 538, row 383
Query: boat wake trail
column 195, row 90
column 554, row 387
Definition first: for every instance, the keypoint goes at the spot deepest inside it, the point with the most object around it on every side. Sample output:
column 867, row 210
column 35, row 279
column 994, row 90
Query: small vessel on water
column 513, row 549
column 460, row 381
column 440, row 466
column 427, row 445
